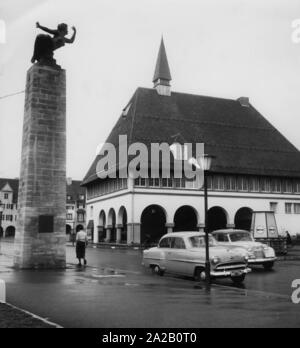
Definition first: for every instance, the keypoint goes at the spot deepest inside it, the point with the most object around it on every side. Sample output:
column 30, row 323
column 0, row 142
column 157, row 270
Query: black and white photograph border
column 149, row 166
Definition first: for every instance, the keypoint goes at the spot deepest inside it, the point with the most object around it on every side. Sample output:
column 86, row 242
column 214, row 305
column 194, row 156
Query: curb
column 44, row 320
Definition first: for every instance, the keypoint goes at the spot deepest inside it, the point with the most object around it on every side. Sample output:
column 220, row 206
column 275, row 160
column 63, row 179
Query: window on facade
column 151, row 182
column 5, row 195
column 276, row 185
column 297, row 208
column 218, row 183
column 242, row 183
column 209, row 183
column 265, row 185
column 273, row 206
column 69, row 217
column 287, row 186
column 177, row 183
column 288, row 208
column 254, row 184
column 80, row 217
column 170, row 183
column 143, row 182
column 297, row 186
column 164, row 182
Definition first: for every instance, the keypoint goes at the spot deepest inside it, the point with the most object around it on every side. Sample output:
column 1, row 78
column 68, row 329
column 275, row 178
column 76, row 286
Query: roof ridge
column 193, row 94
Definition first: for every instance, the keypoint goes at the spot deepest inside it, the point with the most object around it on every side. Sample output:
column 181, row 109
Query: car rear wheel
column 157, row 270
column 199, row 274
column 238, row 279
column 268, row 266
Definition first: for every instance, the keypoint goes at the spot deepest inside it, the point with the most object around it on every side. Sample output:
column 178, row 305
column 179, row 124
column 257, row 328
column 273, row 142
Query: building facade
column 255, row 168
column 75, row 206
column 8, row 203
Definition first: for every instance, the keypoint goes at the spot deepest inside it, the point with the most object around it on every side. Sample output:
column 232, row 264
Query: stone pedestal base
column 41, row 225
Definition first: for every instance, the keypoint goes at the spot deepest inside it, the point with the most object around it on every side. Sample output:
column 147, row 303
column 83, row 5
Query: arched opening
column 153, row 224
column 112, row 225
column 78, row 228
column 185, row 219
column 122, row 221
column 10, row 232
column 243, row 218
column 216, row 219
column 68, row 229
column 1, row 232
column 101, row 226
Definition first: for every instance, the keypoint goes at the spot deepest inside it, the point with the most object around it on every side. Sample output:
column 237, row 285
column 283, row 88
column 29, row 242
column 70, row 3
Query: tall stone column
column 108, row 234
column 119, row 233
column 133, row 233
column 40, row 235
column 170, row 226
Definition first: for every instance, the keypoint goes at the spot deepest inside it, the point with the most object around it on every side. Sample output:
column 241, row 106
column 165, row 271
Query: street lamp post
column 205, row 164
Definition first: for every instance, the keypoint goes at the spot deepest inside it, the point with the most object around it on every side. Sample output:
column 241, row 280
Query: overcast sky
column 224, row 48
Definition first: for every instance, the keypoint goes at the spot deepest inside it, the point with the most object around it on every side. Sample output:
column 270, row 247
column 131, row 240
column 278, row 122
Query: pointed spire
column 162, row 75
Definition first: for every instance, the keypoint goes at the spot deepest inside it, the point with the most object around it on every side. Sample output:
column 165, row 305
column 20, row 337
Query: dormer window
column 126, row 110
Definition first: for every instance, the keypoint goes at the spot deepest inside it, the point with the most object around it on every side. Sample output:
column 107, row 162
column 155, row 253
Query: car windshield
column 241, row 237
column 199, row 241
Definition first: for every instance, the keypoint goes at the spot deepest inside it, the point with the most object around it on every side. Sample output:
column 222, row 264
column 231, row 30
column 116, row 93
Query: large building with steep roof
column 255, row 167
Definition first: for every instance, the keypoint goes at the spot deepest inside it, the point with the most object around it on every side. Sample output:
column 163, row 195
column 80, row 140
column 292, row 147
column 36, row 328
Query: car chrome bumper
column 261, row 261
column 229, row 273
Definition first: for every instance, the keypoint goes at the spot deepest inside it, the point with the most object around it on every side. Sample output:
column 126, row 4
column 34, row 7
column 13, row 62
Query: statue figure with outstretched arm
column 45, row 45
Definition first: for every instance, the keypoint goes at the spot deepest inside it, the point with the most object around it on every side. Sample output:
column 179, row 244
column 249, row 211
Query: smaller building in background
column 75, row 206
column 8, row 202
column 76, row 215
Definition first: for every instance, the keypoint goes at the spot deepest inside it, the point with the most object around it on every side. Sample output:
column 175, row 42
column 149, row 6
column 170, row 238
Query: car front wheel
column 238, row 279
column 157, row 270
column 268, row 266
column 199, row 275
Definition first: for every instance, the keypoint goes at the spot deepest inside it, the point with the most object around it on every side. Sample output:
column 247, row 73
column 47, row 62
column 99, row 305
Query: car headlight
column 215, row 260
column 250, row 255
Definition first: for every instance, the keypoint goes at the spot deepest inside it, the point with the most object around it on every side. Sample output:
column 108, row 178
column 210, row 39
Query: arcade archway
column 68, row 229
column 153, row 224
column 101, row 226
column 185, row 219
column 10, row 232
column 216, row 219
column 122, row 223
column 78, row 228
column 112, row 225
column 243, row 218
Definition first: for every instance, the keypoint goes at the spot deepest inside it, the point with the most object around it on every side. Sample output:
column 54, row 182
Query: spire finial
column 162, row 75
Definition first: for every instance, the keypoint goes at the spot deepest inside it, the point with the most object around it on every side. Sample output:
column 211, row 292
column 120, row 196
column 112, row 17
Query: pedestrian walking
column 81, row 243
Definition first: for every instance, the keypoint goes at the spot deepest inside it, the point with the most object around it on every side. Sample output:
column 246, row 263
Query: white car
column 183, row 253
column 243, row 241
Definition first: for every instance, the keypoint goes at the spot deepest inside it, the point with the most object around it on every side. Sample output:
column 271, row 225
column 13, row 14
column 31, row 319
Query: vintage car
column 183, row 253
column 243, row 241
